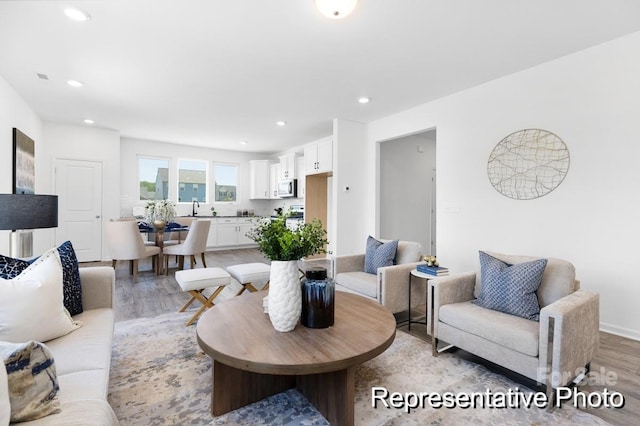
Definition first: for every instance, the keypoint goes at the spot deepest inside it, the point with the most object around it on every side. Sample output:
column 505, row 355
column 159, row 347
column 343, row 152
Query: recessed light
column 363, row 100
column 243, row 142
column 88, row 121
column 74, row 83
column 281, row 123
column 77, row 14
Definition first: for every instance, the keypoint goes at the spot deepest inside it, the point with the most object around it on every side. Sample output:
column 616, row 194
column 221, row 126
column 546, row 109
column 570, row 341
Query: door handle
column 97, row 216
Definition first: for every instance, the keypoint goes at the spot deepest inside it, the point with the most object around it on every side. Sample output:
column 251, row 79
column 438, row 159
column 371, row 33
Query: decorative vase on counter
column 285, row 297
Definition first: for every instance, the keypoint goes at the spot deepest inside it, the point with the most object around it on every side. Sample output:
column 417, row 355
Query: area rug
column 160, row 376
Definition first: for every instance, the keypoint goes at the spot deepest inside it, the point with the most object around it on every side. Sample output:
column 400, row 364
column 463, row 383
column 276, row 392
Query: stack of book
column 436, row 271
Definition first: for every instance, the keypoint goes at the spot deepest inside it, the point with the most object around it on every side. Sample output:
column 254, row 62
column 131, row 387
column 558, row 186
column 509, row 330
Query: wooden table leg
column 333, row 394
column 234, row 388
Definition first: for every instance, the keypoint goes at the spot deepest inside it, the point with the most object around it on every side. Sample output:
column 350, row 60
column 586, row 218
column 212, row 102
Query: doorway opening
column 408, row 189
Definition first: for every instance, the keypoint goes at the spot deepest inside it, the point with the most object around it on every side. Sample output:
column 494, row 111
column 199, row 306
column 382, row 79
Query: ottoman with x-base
column 195, row 281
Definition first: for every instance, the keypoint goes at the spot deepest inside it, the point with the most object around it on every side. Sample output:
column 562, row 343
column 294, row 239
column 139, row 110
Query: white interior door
column 79, row 190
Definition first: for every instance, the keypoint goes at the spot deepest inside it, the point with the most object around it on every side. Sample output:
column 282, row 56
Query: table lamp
column 20, row 212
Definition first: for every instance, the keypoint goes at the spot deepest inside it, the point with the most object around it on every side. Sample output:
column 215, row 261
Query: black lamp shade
column 28, row 211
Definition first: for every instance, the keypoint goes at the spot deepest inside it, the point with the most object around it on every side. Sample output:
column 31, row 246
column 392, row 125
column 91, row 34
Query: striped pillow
column 33, row 385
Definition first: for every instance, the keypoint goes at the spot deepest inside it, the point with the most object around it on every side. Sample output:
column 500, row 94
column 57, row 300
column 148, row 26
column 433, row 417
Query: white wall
column 406, row 168
column 590, row 99
column 14, row 112
column 348, row 231
column 129, row 185
column 89, row 143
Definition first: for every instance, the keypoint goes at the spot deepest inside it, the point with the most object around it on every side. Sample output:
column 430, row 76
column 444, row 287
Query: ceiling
column 214, row 73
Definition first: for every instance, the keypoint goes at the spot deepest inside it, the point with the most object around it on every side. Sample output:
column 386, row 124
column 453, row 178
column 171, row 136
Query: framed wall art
column 528, row 164
column 24, row 163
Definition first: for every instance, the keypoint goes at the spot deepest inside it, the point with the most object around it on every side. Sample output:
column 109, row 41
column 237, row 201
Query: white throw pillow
column 31, row 305
column 5, row 405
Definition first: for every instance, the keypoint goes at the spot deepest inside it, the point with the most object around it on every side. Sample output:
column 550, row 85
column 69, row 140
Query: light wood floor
column 153, row 295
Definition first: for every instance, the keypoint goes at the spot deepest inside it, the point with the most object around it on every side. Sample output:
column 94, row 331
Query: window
column 153, row 175
column 192, row 181
column 226, row 182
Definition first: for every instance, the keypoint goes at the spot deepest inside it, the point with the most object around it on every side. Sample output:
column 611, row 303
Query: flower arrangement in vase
column 284, row 246
column 159, row 212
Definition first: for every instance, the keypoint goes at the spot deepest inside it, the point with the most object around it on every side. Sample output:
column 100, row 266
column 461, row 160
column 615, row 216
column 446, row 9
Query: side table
column 424, row 277
column 429, row 299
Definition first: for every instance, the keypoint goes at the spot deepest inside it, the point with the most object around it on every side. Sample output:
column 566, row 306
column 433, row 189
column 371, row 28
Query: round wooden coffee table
column 251, row 360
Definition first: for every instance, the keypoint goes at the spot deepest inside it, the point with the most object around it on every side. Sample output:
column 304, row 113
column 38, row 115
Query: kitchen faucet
column 194, row 213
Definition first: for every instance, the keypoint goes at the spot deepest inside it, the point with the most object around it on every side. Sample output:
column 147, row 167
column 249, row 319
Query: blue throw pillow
column 11, row 268
column 71, row 286
column 70, row 278
column 510, row 288
column 379, row 254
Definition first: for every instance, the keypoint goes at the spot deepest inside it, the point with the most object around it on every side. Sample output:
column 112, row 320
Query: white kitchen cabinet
column 274, row 178
column 244, row 226
column 227, row 231
column 302, row 178
column 259, row 172
column 232, row 231
column 318, row 157
column 288, row 166
column 212, row 238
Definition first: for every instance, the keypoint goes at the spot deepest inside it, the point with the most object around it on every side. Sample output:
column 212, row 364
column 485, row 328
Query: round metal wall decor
column 528, row 164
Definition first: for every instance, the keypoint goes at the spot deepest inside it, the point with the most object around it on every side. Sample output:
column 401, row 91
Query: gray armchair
column 390, row 286
column 560, row 346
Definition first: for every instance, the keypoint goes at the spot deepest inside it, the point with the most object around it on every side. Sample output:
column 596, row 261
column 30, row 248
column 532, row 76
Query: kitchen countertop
column 221, row 216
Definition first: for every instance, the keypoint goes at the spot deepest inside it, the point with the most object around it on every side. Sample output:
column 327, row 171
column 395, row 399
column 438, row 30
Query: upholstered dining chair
column 123, row 239
column 195, row 243
column 143, row 236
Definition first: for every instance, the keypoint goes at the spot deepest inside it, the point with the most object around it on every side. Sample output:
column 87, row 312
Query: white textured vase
column 285, row 296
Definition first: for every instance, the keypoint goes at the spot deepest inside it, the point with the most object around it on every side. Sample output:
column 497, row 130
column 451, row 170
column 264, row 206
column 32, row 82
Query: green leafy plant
column 278, row 242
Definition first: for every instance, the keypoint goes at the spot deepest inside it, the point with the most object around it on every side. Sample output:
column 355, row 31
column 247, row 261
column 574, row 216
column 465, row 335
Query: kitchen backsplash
column 259, row 207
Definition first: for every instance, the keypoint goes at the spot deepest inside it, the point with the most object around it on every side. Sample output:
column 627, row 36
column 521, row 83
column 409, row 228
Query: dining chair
column 123, row 239
column 195, row 243
column 143, row 235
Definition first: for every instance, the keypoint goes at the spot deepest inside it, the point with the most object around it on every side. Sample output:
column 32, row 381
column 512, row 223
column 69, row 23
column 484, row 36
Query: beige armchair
column 123, row 239
column 195, row 243
column 390, row 286
column 553, row 351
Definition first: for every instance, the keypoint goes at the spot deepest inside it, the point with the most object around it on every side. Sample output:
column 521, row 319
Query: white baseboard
column 620, row 331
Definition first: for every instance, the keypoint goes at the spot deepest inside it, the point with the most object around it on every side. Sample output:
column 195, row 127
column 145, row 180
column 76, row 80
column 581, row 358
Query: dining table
column 159, row 237
column 160, row 233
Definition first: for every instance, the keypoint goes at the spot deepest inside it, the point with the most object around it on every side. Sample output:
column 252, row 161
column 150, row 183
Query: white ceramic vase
column 285, row 296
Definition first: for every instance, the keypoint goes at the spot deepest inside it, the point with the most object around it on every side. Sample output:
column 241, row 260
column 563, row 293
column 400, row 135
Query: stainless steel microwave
column 288, row 188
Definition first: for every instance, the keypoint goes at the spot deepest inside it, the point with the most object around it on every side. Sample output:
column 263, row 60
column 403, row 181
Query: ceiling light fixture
column 336, row 9
column 88, row 121
column 281, row 123
column 77, row 14
column 363, row 100
column 243, row 142
column 74, row 83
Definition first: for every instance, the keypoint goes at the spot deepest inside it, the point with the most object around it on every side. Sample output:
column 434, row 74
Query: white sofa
column 83, row 357
column 390, row 285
